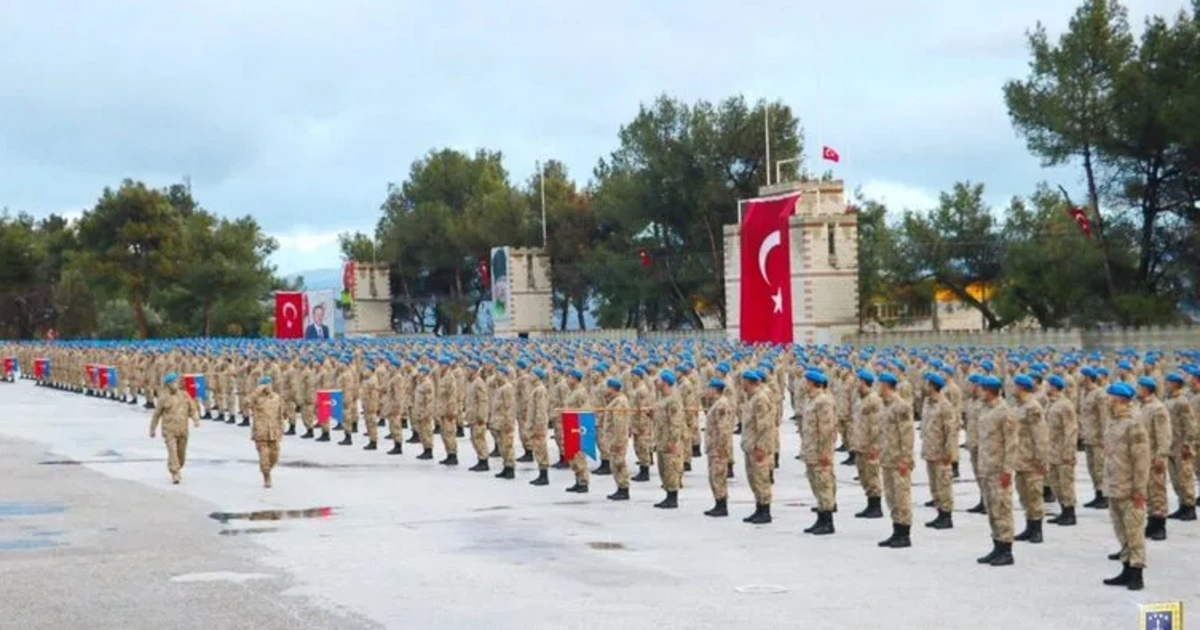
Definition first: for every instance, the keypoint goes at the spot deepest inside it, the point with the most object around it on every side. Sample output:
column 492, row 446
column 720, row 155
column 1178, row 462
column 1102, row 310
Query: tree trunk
column 718, row 261
column 139, row 310
column 580, row 307
column 207, row 309
column 566, row 310
column 1094, row 200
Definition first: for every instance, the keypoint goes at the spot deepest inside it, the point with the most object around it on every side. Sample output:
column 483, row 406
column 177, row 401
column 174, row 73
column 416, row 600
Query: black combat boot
column 902, row 540
column 874, row 509
column 346, row 440
column 777, row 460
column 979, row 508
column 729, row 471
column 758, row 508
column 1101, row 501
column 718, row 509
column 1067, row 518
column 931, row 503
column 495, row 451
column 695, row 450
column 988, row 558
column 851, row 460
column 1156, row 528
column 578, row 488
column 149, row 403
column 457, row 432
column 1115, row 556
column 1135, row 579
column 371, row 446
column 324, row 437
column 527, row 457
column 291, row 429
column 738, row 429
column 133, row 400
column 1184, row 513
column 508, row 472
column 824, row 524
column 426, row 454
column 451, row 460
column 761, row 516
column 543, row 478
column 603, row 468
column 397, row 447
column 232, row 419
column 207, row 415
column 1036, row 536
column 954, row 474
column 415, row 438
column 842, row 448
column 887, row 542
column 622, row 494
column 308, row 435
column 220, row 417
column 245, row 421
column 1123, row 578
column 943, row 521
column 1027, row 532
column 687, row 467
column 480, row 466
column 561, row 464
column 1048, row 495
column 670, row 502
column 643, row 474
column 1004, row 556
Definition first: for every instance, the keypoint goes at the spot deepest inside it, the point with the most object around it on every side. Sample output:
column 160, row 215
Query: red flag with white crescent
column 766, row 295
column 289, row 315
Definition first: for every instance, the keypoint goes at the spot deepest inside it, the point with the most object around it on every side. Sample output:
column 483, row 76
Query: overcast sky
column 300, row 111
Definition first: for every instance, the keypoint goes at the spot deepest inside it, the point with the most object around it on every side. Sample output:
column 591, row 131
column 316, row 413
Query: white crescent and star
column 290, row 320
column 773, row 240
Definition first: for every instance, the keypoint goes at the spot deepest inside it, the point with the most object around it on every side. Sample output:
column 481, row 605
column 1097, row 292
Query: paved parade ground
column 93, row 535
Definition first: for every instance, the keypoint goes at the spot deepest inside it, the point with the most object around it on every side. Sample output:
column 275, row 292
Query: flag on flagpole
column 41, row 369
column 10, row 366
column 289, row 315
column 111, row 373
column 829, row 154
column 579, row 434
column 766, row 292
column 102, row 376
column 195, row 386
column 1081, row 219
column 330, row 408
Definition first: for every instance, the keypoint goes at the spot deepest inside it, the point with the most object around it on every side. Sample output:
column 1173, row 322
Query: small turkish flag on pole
column 1081, row 218
column 827, row 153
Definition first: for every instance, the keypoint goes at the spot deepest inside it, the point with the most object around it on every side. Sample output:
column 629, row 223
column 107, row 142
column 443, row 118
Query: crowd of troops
column 1026, row 416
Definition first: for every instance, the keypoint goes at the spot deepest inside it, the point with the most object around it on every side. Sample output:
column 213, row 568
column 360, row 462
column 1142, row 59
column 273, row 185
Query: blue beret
column 1103, row 371
column 667, row 376
column 638, row 371
column 539, row 372
column 1148, row 383
column 1057, row 382
column 816, row 376
column 575, row 374
column 716, row 383
column 974, row 379
column 1088, row 371
column 723, row 368
column 424, row 369
column 987, row 366
column 889, row 378
column 1124, row 365
column 170, row 378
column 936, row 379
column 521, row 363
column 1024, row 382
column 865, row 376
column 266, row 380
column 613, row 384
column 1175, row 377
column 1120, row 390
column 751, row 375
column 991, row 382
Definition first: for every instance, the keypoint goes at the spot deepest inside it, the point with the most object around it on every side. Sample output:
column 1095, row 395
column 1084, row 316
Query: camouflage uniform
column 173, row 410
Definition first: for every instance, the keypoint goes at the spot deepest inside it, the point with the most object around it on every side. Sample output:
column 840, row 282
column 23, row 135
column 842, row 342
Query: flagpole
column 820, row 102
column 767, row 138
column 542, row 183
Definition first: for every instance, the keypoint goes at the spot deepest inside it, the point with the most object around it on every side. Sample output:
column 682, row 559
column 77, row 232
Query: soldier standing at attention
column 305, row 385
column 577, row 400
column 997, row 459
column 1093, row 419
column 896, row 460
column 423, row 411
column 758, row 444
column 865, row 435
column 671, row 432
column 616, row 434
column 539, row 424
column 372, row 393
column 1184, row 430
column 447, row 409
column 820, row 440
column 477, row 416
column 267, row 429
column 347, row 380
column 1033, row 451
column 173, row 410
column 1126, row 473
column 1154, row 416
column 718, row 445
column 504, row 417
column 939, row 441
column 643, row 429
column 1064, row 433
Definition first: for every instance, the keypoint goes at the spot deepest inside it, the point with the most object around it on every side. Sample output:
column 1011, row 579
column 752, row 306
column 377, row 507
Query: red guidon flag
column 289, row 315
column 1081, row 218
column 766, row 296
column 829, row 154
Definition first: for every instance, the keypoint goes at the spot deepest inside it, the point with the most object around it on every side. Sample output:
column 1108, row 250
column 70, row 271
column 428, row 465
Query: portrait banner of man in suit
column 319, row 315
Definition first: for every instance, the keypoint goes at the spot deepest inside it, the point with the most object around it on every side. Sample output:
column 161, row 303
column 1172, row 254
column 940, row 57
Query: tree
column 571, row 231
column 876, row 256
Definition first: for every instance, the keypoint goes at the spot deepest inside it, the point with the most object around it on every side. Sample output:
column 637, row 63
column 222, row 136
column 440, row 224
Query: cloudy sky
column 300, row 111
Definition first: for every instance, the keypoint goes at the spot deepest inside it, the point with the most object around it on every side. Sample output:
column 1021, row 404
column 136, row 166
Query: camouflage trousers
column 1061, row 478
column 843, row 427
column 479, row 433
column 618, row 451
column 394, row 424
column 695, row 427
column 1129, row 524
column 998, row 501
column 425, row 431
column 717, row 478
column 643, row 443
column 824, row 485
column 1030, row 487
column 868, row 475
column 940, row 485
column 176, row 451
column 541, row 453
column 449, row 428
column 504, row 439
column 1156, row 490
column 371, row 417
column 758, row 473
column 670, row 469
column 523, row 432
column 1182, row 479
column 579, row 466
column 268, row 455
column 974, row 453
column 1095, row 465
column 897, row 491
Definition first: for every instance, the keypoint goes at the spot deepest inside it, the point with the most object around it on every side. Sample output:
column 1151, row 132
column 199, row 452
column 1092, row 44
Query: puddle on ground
column 27, row 544
column 272, row 515
column 30, row 509
column 493, row 508
column 248, row 531
column 570, row 502
column 606, row 546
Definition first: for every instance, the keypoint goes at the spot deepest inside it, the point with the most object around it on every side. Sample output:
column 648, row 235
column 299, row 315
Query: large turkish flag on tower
column 766, row 299
column 289, row 315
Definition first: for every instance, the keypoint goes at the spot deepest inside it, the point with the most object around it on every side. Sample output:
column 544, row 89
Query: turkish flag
column 827, row 153
column 766, row 297
column 1080, row 217
column 289, row 315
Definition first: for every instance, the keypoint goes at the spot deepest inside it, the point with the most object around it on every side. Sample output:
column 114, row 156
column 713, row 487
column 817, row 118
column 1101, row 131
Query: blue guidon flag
column 330, row 408
column 1162, row 616
column 579, row 434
